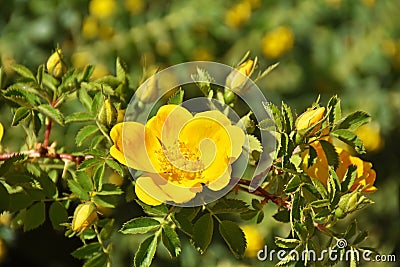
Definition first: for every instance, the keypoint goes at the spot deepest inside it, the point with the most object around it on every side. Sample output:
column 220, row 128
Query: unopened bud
column 55, row 65
column 309, row 118
column 237, row 78
column 108, row 113
column 84, row 216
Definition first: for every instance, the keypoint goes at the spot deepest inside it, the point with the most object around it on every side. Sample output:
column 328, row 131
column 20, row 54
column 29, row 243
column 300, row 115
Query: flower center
column 179, row 162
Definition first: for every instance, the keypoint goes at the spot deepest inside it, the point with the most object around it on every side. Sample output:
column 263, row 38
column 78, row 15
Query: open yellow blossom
column 320, row 170
column 179, row 153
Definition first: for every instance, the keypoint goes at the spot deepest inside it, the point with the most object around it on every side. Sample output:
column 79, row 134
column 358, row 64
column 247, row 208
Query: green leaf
column 121, row 68
column 320, row 203
column 110, row 189
column 79, row 117
column 312, row 156
column 146, row 251
column 283, row 145
column 202, row 79
column 330, row 153
column 77, row 189
column 90, row 163
column 320, row 187
column 115, row 166
column 293, row 185
column 183, row 224
column 160, row 210
column 20, row 114
column 171, row 241
column 107, row 230
column 100, row 260
column 349, row 138
column 296, row 210
column 87, row 251
column 334, row 110
column 203, row 232
column 7, row 164
column 229, row 206
column 24, row 72
column 350, row 231
column 35, row 216
column 49, row 188
column 85, row 99
column 276, row 113
column 4, row 198
column 286, row 242
column 39, row 74
column 288, row 117
column 190, row 212
column 97, row 103
column 52, row 113
column 353, row 120
column 234, row 238
column 360, row 237
column 84, row 76
column 249, row 214
column 84, row 180
column 85, row 133
column 349, row 178
column 109, row 201
column 19, row 94
column 177, row 97
column 19, row 201
column 58, row 215
column 282, row 216
column 301, row 231
column 98, row 176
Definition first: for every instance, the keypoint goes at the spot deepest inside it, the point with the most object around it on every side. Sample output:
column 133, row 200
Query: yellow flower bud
column 108, row 113
column 55, row 65
column 309, row 118
column 84, row 215
column 238, row 77
column 148, row 93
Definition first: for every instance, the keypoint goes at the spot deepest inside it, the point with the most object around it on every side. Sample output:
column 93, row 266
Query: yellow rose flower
column 178, row 152
column 320, row 170
column 309, row 118
column 84, row 215
column 277, row 42
column 238, row 77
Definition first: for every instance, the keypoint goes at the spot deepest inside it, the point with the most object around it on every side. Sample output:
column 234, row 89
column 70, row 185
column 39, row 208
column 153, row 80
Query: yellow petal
column 168, row 122
column 1, row 131
column 134, row 146
column 178, row 193
column 222, row 181
column 148, row 191
column 215, row 115
column 237, row 137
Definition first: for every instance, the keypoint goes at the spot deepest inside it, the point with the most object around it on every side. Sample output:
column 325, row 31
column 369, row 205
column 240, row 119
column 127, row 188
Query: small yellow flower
column 238, row 14
column 238, row 77
column 309, row 118
column 277, row 42
column 84, row 216
column 370, row 135
column 55, row 65
column 102, row 8
column 179, row 153
column 254, row 239
column 90, row 28
column 134, row 6
column 320, row 170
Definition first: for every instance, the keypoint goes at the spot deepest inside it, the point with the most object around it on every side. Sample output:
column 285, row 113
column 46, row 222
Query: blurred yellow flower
column 99, row 71
column 309, row 118
column 134, row 6
column 277, row 42
column 238, row 14
column 84, row 215
column 102, row 8
column 202, row 54
column 320, row 170
column 90, row 28
column 1, row 131
column 370, row 134
column 368, row 3
column 254, row 239
column 179, row 153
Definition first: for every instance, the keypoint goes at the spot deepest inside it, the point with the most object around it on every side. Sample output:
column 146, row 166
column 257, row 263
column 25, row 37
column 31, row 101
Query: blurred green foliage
column 345, row 47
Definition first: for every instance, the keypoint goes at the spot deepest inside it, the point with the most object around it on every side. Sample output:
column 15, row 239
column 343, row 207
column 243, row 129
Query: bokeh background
column 346, row 47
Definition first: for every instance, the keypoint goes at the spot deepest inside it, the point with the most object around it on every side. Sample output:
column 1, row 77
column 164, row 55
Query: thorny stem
column 263, row 193
column 44, row 153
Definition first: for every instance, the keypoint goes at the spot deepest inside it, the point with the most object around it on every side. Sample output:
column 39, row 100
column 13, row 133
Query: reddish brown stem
column 47, row 133
column 259, row 191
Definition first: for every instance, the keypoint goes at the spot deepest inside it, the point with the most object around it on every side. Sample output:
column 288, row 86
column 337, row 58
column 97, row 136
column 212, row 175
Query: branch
column 44, row 153
column 259, row 191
